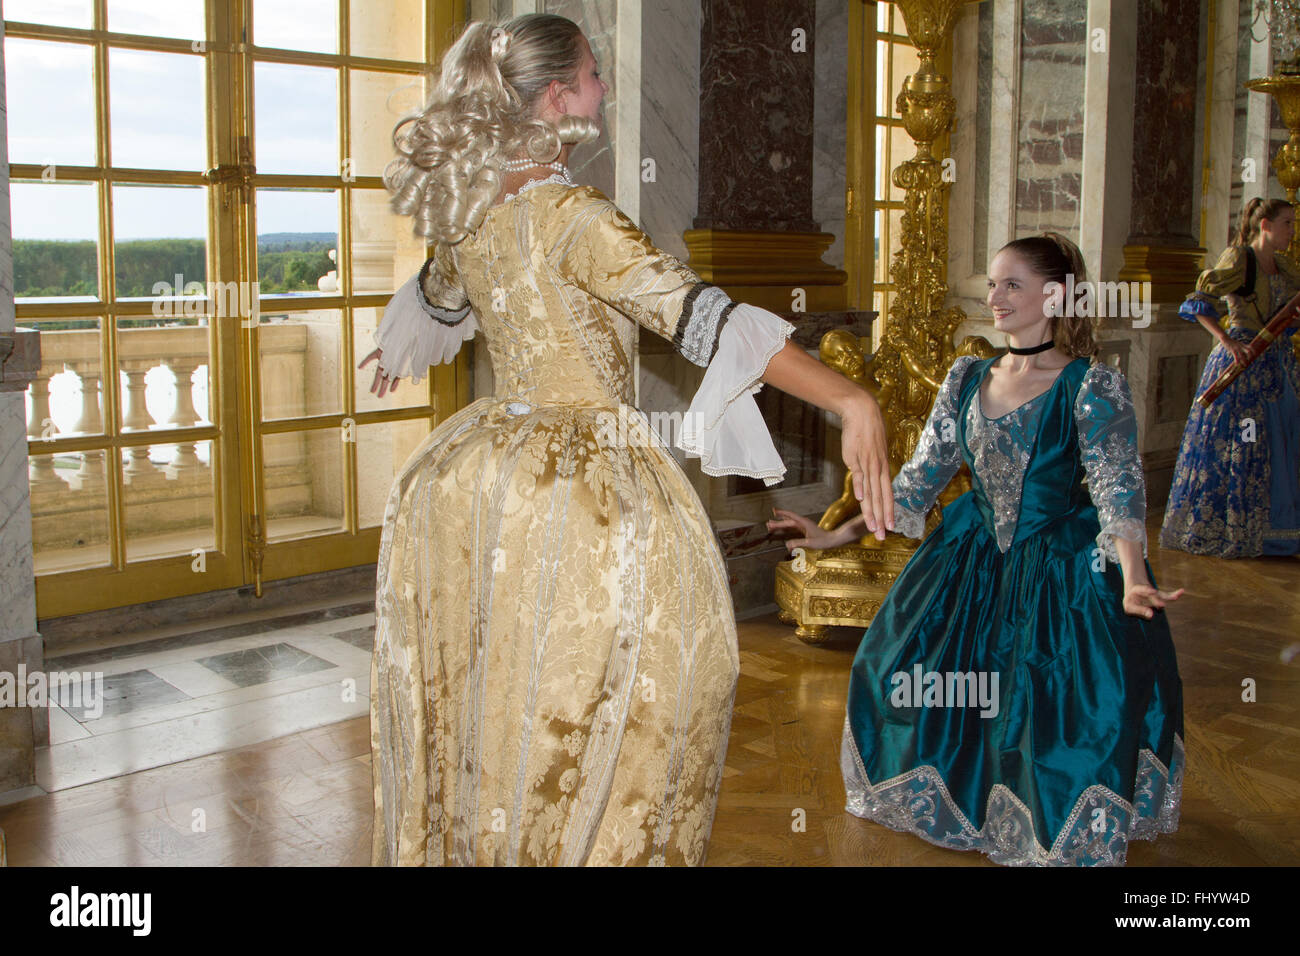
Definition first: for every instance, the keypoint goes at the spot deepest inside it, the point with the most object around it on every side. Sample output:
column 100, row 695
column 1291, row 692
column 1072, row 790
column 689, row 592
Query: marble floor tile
column 208, row 635
column 128, row 693
column 193, row 678
column 359, row 637
column 260, row 665
column 99, row 757
column 65, row 727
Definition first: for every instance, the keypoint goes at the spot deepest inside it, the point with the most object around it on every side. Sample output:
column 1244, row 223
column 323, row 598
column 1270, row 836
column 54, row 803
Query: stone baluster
column 185, row 462
column 91, row 422
column 41, row 475
column 137, row 419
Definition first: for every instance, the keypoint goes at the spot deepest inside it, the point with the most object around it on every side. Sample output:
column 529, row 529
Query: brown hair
column 1054, row 257
column 1255, row 210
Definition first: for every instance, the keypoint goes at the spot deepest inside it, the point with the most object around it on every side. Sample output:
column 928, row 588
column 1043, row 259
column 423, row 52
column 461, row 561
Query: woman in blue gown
column 1236, row 488
column 1018, row 693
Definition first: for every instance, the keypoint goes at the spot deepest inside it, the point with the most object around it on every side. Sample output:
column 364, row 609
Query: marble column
column 21, row 728
column 754, row 233
column 1163, row 245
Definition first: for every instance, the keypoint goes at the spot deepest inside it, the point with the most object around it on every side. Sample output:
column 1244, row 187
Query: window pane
column 385, row 252
column 290, row 137
column 884, row 103
column 297, row 24
column 382, row 449
column 168, row 493
column 298, row 356
column 55, row 229
column 379, row 101
column 390, row 29
column 304, row 483
column 69, row 496
column 159, row 239
column 175, row 18
column 163, row 366
column 158, row 110
column 297, row 241
column 66, row 398
column 51, row 102
column 56, row 13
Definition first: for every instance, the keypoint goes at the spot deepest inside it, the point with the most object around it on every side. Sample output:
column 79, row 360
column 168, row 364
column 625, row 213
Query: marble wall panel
column 670, row 120
column 1050, row 150
column 830, row 123
column 1165, row 149
column 593, row 163
column 756, row 115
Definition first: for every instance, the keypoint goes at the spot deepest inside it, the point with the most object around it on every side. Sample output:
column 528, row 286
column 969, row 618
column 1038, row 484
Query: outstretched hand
column 1142, row 600
column 813, row 536
column 867, row 457
column 382, row 383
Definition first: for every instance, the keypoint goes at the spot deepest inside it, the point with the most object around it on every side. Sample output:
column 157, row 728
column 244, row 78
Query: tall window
column 895, row 60
column 202, row 237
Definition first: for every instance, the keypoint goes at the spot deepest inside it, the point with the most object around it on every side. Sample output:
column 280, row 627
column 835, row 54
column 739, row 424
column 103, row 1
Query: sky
column 157, row 111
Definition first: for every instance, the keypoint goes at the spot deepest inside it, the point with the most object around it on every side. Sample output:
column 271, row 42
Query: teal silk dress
column 1002, row 700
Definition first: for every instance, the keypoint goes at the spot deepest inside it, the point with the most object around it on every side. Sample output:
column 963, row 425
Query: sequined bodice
column 1001, row 448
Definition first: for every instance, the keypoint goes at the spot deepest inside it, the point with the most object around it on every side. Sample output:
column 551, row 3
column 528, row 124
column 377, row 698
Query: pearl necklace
column 518, row 165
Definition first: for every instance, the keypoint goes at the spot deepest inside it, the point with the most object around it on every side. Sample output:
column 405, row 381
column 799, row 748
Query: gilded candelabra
column 844, row 586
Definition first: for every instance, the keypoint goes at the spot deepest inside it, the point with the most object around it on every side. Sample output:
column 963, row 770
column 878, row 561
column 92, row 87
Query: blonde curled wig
column 1053, row 257
column 483, row 112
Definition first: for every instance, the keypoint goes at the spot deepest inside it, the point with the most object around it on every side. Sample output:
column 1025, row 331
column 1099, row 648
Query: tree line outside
column 46, row 268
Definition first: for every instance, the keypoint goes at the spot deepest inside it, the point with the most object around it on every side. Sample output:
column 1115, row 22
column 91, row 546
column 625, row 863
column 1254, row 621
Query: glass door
column 202, row 237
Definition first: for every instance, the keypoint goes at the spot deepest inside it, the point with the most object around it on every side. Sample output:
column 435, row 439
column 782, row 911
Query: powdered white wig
column 482, row 113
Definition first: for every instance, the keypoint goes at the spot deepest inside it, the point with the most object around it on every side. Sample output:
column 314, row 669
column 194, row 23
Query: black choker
column 1034, row 351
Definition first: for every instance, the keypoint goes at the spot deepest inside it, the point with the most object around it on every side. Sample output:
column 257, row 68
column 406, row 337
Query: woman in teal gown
column 1018, row 693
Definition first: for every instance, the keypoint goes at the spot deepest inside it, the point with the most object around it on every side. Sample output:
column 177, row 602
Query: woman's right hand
column 1235, row 348
column 382, row 383
column 867, row 456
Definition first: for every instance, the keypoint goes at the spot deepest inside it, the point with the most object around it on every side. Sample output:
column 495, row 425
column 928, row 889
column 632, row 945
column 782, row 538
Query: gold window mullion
column 351, row 516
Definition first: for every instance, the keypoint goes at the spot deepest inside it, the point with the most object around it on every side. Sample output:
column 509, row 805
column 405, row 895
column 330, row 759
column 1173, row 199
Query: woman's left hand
column 382, row 383
column 1142, row 600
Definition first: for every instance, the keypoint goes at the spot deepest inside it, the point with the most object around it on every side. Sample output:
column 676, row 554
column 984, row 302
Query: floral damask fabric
column 1236, row 485
column 555, row 649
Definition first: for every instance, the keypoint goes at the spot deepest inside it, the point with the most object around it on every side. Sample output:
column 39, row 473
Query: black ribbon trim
column 437, row 312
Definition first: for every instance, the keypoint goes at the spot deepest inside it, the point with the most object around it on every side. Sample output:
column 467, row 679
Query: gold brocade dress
column 555, row 650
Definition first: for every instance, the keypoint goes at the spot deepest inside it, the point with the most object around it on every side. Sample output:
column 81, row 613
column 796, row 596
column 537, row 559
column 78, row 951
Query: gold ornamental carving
column 1285, row 90
column 844, row 586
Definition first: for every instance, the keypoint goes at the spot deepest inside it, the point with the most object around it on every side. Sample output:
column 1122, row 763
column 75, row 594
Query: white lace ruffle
column 723, row 426
column 412, row 340
column 918, row 802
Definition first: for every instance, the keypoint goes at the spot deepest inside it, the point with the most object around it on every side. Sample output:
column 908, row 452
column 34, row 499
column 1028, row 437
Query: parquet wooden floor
column 306, row 799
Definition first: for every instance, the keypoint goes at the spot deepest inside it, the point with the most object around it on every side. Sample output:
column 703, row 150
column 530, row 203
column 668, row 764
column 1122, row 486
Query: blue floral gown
column 1002, row 700
column 1236, row 487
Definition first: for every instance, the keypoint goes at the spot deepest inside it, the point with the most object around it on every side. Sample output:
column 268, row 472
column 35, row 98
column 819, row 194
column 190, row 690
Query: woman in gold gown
column 555, row 649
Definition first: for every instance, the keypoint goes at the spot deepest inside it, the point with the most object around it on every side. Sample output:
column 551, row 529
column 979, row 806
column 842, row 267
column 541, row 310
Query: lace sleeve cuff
column 723, row 426
column 415, row 334
column 1126, row 528
column 908, row 523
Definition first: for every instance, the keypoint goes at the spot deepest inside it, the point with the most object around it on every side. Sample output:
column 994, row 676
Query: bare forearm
column 797, row 373
column 1131, row 561
column 1210, row 325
